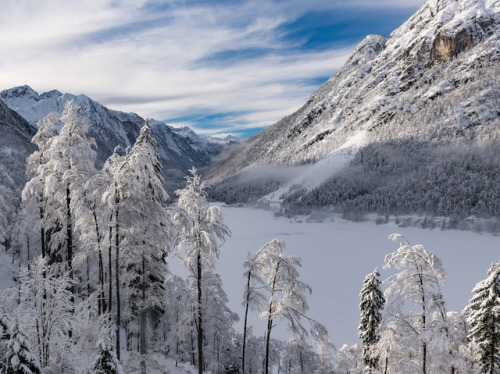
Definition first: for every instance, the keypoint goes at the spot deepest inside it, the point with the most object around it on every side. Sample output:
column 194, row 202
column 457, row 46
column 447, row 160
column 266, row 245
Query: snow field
column 337, row 255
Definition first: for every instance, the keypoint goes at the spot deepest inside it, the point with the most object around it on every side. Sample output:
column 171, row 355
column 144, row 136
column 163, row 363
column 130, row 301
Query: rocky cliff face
column 435, row 78
column 15, row 146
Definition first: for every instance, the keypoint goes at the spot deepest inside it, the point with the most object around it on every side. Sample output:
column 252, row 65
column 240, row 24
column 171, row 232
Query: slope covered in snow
column 433, row 81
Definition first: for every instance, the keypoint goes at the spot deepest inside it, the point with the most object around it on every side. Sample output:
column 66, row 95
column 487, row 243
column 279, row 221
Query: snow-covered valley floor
column 337, row 255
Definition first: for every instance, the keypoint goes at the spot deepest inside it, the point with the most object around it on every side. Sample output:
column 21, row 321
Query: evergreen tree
column 372, row 303
column 20, row 360
column 106, row 361
column 484, row 317
column 142, row 233
column 4, row 339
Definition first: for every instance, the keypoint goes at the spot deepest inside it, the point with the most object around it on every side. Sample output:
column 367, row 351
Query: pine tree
column 483, row 314
column 4, row 339
column 106, row 361
column 372, row 303
column 20, row 360
column 147, row 228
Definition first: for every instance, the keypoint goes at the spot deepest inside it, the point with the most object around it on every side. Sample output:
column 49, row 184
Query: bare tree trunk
column 89, row 290
column 247, row 300
column 270, row 320
column 200, row 317
column 69, row 239
column 117, row 271
column 110, row 265
column 101, row 302
column 143, row 320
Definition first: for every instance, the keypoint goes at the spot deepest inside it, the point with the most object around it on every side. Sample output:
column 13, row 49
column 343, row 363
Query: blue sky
column 221, row 67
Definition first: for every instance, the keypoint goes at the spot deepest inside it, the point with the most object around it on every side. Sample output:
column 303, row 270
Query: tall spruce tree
column 372, row 303
column 20, row 360
column 483, row 314
column 142, row 233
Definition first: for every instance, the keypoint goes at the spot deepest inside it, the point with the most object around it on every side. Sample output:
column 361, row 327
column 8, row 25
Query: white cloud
column 132, row 58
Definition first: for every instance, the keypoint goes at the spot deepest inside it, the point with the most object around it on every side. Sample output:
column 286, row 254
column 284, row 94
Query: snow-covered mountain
column 15, row 146
column 179, row 149
column 433, row 81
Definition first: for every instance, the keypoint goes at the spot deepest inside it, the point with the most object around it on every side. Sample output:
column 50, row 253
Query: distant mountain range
column 179, row 149
column 398, row 115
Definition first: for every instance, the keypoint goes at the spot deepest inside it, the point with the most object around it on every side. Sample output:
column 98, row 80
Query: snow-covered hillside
column 434, row 80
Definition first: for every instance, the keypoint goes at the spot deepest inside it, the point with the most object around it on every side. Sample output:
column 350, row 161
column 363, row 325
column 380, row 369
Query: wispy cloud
column 222, row 67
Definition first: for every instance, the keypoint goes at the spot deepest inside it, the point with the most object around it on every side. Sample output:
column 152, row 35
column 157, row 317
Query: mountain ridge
column 434, row 80
column 111, row 128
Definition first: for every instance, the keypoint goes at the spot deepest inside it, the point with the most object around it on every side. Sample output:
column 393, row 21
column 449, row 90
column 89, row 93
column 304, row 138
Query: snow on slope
column 336, row 257
column 319, row 172
column 449, row 49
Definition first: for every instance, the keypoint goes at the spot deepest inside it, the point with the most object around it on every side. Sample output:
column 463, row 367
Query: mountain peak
column 25, row 92
column 53, row 94
column 387, row 86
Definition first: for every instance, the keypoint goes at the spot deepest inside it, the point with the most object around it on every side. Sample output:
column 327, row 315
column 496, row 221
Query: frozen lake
column 336, row 257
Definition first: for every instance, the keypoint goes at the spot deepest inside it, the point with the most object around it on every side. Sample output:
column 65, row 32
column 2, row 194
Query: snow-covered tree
column 349, row 360
column 71, row 162
column 176, row 335
column 325, row 351
column 46, row 307
column 106, row 361
column 253, row 296
column 372, row 303
column 299, row 357
column 418, row 282
column 218, row 324
column 142, row 233
column 37, row 206
column 4, row 339
column 483, row 315
column 20, row 360
column 111, row 199
column 287, row 295
column 200, row 227
column 92, row 224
